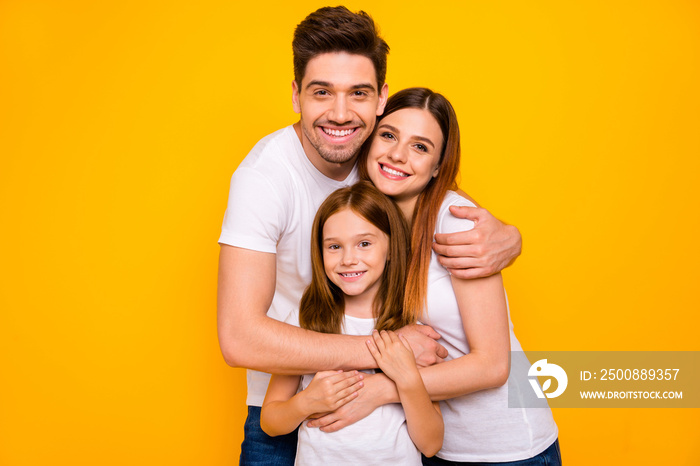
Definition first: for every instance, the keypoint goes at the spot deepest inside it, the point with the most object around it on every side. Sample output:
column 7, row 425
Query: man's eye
column 321, row 92
column 360, row 93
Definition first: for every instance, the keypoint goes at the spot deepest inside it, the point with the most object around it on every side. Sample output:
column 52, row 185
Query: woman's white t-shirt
column 479, row 427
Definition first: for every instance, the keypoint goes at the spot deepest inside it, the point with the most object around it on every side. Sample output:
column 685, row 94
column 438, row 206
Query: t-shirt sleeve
column 254, row 216
column 448, row 223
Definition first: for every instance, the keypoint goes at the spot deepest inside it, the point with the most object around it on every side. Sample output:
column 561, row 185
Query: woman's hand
column 329, row 390
column 394, row 357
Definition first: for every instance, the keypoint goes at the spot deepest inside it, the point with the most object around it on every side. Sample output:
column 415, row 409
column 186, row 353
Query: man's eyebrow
column 395, row 130
column 352, row 88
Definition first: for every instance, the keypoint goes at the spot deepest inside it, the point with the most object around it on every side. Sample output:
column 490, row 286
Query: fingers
column 468, row 212
column 441, row 353
column 379, row 340
column 322, row 421
column 428, row 331
column 467, row 245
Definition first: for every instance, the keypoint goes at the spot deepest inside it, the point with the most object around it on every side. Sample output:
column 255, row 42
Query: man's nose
column 339, row 112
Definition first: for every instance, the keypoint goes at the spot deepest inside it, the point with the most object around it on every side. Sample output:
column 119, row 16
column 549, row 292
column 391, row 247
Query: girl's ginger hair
column 323, row 304
column 430, row 200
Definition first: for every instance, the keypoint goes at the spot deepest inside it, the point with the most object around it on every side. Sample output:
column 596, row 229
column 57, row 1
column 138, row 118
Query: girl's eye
column 364, row 244
column 333, row 247
column 387, row 135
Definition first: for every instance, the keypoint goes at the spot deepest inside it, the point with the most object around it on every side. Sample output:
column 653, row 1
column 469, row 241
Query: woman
column 414, row 158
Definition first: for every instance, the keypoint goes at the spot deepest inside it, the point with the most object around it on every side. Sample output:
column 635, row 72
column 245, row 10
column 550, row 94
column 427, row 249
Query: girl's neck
column 361, row 306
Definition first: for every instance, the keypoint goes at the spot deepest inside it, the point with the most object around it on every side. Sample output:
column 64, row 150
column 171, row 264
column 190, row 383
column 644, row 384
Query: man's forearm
column 268, row 345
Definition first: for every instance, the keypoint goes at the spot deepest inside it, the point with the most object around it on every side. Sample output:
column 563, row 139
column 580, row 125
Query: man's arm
column 482, row 251
column 249, row 338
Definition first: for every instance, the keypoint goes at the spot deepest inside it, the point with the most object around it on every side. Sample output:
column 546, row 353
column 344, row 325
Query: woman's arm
column 423, row 418
column 283, row 409
column 482, row 305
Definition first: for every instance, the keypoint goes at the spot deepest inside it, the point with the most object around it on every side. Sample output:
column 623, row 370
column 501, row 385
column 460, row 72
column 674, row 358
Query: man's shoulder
column 276, row 148
column 273, row 162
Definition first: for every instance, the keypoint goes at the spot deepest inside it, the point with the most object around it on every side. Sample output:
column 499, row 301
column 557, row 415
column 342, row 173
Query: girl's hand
column 394, row 357
column 329, row 390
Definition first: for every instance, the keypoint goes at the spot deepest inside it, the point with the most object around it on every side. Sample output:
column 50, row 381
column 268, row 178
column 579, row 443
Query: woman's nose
column 397, row 154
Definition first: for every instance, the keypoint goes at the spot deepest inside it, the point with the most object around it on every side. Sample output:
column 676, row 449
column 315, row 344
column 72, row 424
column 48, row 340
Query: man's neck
column 334, row 171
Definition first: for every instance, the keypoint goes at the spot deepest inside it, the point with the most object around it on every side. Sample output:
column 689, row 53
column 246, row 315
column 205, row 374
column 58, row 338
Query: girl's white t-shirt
column 380, row 438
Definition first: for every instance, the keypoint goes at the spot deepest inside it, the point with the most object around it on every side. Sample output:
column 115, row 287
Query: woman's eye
column 387, row 136
column 421, row 148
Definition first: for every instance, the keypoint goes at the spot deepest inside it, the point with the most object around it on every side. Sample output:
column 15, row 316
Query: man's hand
column 481, row 252
column 422, row 339
column 377, row 390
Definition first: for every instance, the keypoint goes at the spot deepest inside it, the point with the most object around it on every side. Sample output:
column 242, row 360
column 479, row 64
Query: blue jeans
column 259, row 449
column 550, row 457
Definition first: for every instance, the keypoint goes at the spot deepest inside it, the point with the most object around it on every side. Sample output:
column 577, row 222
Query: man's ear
column 295, row 97
column 383, row 96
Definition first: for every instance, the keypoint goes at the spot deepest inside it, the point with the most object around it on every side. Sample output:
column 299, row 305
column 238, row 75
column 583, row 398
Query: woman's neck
column 407, row 207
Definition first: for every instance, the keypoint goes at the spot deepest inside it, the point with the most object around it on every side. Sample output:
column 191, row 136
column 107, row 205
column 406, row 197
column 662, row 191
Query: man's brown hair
column 337, row 29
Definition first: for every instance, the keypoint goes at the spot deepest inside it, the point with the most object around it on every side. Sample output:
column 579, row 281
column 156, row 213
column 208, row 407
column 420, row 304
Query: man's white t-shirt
column 275, row 193
column 479, row 427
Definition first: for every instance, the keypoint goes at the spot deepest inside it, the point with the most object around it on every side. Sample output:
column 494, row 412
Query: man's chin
column 339, row 156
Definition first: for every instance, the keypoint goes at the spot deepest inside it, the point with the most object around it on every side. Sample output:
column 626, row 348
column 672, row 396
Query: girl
column 358, row 253
column 414, row 158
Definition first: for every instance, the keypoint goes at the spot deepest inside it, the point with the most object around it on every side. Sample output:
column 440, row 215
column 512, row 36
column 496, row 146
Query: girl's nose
column 349, row 257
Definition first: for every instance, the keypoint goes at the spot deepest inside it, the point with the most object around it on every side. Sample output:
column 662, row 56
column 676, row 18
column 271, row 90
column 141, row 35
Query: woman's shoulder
column 448, row 223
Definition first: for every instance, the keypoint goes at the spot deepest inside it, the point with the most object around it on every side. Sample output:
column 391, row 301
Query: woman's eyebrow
column 396, row 130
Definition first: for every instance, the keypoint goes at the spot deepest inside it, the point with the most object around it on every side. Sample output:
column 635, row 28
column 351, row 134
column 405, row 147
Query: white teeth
column 352, row 274
column 337, row 133
column 393, row 172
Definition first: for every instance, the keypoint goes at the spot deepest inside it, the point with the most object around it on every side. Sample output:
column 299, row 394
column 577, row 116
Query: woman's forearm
column 467, row 374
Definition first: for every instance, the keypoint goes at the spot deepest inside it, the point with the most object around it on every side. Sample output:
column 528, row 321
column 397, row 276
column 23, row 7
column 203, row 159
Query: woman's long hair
column 430, row 200
column 323, row 303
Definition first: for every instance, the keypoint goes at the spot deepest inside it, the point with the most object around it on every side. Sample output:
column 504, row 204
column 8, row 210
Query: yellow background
column 120, row 126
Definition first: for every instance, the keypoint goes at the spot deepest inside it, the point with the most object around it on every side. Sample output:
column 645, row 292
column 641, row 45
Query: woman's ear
column 435, row 173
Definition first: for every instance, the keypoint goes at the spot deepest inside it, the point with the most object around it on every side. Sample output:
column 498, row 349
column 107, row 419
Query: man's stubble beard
column 343, row 155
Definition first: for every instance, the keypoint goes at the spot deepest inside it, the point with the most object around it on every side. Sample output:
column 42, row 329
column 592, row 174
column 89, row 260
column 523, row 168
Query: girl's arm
column 284, row 409
column 482, row 305
column 423, row 418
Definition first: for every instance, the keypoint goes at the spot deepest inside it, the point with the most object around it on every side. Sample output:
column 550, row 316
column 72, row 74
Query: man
column 338, row 90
